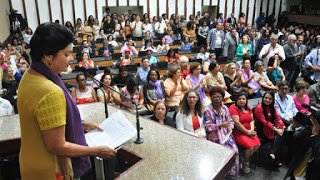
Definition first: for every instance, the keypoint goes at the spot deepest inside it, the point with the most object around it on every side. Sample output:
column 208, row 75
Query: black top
column 229, row 82
column 117, row 79
column 167, row 121
column 150, row 92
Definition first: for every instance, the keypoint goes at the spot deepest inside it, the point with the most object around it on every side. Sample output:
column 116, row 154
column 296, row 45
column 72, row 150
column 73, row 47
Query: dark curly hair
column 184, row 106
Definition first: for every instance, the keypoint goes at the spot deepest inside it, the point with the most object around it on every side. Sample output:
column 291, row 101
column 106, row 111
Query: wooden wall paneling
column 176, row 6
column 96, row 8
column 254, row 12
column 274, row 7
column 61, row 8
column 240, row 11
column 218, row 8
column 117, row 2
column 194, row 8
column 74, row 14
column 85, row 10
column 167, row 12
column 280, row 8
column 202, row 4
column 210, row 2
column 10, row 4
column 129, row 3
column 138, row 3
column 233, row 3
column 148, row 8
column 185, row 9
column 261, row 4
column 225, row 8
column 24, row 9
column 108, row 5
column 247, row 12
column 267, row 12
column 158, row 8
column 37, row 9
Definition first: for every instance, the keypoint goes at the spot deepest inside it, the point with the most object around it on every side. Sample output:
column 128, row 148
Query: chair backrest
column 99, row 40
column 176, row 42
column 132, row 68
column 116, row 56
column 196, row 60
column 162, row 65
column 222, row 59
column 195, row 49
column 142, row 53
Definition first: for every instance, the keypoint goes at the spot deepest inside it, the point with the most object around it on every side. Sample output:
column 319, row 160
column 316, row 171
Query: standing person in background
column 243, row 49
column 300, row 59
column 271, row 49
column 215, row 40
column 231, row 44
column 203, row 33
column 242, row 19
column 137, row 28
column 160, row 28
column 176, row 28
column 232, row 20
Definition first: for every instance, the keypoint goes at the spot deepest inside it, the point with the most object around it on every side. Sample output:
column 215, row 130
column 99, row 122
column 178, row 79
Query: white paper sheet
column 117, row 130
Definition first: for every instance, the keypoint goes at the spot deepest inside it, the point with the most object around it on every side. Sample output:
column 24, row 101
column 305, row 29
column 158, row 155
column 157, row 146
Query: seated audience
column 104, row 93
column 163, row 46
column 10, row 60
column 78, row 38
column 203, row 54
column 87, row 49
column 148, row 46
column 101, row 35
column 244, row 133
column 262, row 78
column 22, row 65
column 272, row 126
column 122, row 77
column 83, row 94
column 274, row 71
column 160, row 114
column 189, row 32
column 211, row 59
column 314, row 94
column 284, row 103
column 147, row 37
column 172, row 57
column 6, row 108
column 125, row 60
column 189, row 116
column 196, row 81
column 20, row 48
column 112, row 42
column 175, row 87
column 91, row 43
column 186, row 45
column 86, row 62
column 248, row 80
column 215, row 77
column 169, row 37
column 27, row 37
column 106, row 50
column 153, row 89
column 11, row 85
column 184, row 66
column 143, row 71
column 218, row 123
column 129, row 47
column 86, row 30
column 133, row 91
column 151, row 58
column 301, row 96
column 232, row 79
column 203, row 33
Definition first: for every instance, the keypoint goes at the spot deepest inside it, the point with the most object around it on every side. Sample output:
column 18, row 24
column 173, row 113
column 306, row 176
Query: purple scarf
column 157, row 84
column 195, row 82
column 74, row 129
column 252, row 84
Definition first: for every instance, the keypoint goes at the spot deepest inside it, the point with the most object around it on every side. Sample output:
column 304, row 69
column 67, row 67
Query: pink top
column 125, row 48
column 298, row 103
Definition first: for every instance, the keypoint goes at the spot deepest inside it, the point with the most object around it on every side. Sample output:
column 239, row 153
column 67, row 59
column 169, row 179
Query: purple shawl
column 252, row 84
column 157, row 84
column 74, row 129
column 195, row 82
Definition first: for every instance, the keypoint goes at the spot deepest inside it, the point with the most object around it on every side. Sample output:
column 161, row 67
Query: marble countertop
column 167, row 153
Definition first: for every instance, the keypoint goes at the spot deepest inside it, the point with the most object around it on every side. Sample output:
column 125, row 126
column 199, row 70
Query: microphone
column 314, row 111
column 139, row 140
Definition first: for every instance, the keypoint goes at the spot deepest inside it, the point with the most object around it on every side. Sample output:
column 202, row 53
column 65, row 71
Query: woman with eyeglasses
column 83, row 94
column 197, row 81
column 189, row 117
column 244, row 133
column 269, row 125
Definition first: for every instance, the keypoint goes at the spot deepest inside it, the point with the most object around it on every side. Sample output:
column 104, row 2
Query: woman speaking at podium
column 53, row 145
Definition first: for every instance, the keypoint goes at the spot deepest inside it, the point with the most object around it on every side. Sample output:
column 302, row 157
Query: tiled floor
column 263, row 174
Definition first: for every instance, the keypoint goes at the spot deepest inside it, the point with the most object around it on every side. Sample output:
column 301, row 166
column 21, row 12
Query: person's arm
column 74, row 96
column 91, row 63
column 238, row 125
column 210, row 123
column 141, row 99
column 123, row 99
column 94, row 95
column 282, row 74
column 245, row 82
column 226, row 47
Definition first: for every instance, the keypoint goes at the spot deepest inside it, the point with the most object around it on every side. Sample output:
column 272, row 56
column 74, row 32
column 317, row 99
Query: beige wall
column 4, row 20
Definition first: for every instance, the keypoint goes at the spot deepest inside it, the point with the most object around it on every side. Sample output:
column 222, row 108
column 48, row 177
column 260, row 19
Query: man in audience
column 205, row 18
column 91, row 43
column 160, row 28
column 314, row 94
column 203, row 54
column 284, row 103
column 271, row 49
column 289, row 64
column 143, row 71
column 5, row 106
column 300, row 61
column 231, row 44
column 261, row 21
column 121, row 78
column 151, row 58
column 215, row 40
column 87, row 49
column 247, row 30
column 313, row 61
column 106, row 50
column 254, row 44
column 232, row 20
column 137, row 28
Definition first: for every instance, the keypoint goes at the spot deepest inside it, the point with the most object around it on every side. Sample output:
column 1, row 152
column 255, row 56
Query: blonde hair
column 227, row 67
column 241, row 41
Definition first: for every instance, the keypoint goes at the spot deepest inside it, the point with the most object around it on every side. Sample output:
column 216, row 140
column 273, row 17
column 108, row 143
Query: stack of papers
column 117, row 130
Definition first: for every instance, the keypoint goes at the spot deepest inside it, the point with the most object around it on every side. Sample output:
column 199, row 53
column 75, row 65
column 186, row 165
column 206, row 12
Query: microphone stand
column 138, row 140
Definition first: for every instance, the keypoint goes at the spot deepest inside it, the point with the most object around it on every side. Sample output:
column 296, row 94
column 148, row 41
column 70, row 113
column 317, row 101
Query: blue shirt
column 313, row 58
column 285, row 108
column 142, row 75
column 153, row 60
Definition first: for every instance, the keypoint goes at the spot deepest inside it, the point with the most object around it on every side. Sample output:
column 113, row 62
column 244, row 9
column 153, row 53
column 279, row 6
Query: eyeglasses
column 284, row 89
column 199, row 69
column 192, row 97
column 81, row 80
column 216, row 97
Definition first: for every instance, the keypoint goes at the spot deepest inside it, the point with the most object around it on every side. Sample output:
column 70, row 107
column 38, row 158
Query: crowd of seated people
column 257, row 67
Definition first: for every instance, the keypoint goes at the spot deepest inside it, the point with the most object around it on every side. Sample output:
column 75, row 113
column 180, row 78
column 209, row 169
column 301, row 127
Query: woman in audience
column 301, row 97
column 244, row 133
column 184, row 66
column 112, row 42
column 203, row 54
column 262, row 78
column 83, row 94
column 129, row 47
column 203, row 32
column 117, row 29
column 27, row 37
column 10, row 83
column 78, row 38
column 86, row 30
column 96, row 26
column 108, row 25
column 248, row 80
column 163, row 46
column 264, row 40
column 272, row 126
column 20, row 48
column 111, row 96
column 189, row 31
column 242, row 19
column 153, row 90
column 148, row 46
column 190, row 114
column 211, row 59
column 197, row 81
column 232, row 79
column 175, row 87
column 218, row 123
column 186, row 44
column 172, row 57
column 176, row 28
column 215, row 77
column 244, row 49
column 22, row 65
column 90, row 20
column 147, row 37
column 85, row 61
column 127, row 29
column 169, row 37
column 69, row 26
column 101, row 35
column 274, row 71
column 133, row 91
column 160, row 114
column 78, row 26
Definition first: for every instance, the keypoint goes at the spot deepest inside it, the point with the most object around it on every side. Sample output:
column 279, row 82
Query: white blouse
column 184, row 123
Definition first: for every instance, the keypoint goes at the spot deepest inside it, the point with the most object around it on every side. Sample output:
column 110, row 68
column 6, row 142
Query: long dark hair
column 238, row 96
column 102, row 78
column 184, row 106
column 271, row 106
column 169, row 52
